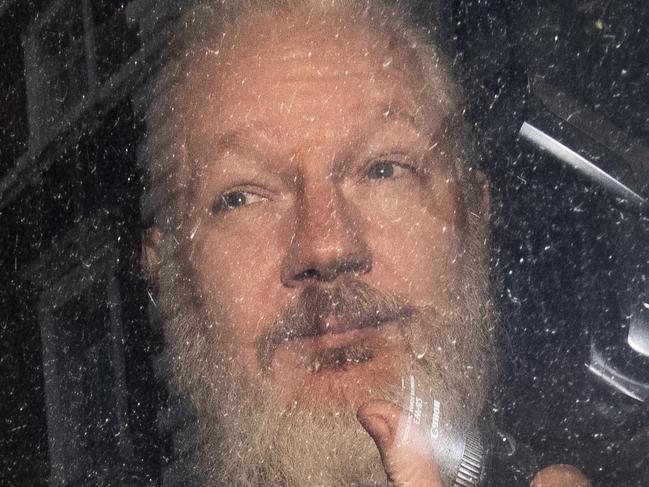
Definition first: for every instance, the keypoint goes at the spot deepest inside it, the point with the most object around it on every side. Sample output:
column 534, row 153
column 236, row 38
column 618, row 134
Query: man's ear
column 151, row 251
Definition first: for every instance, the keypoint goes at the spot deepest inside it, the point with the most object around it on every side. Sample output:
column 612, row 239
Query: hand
column 409, row 462
column 560, row 476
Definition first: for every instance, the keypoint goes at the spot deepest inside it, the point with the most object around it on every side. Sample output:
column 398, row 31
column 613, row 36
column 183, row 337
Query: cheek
column 420, row 256
column 236, row 271
column 415, row 241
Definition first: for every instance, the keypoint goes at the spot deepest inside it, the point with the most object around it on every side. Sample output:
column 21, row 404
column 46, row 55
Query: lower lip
column 342, row 339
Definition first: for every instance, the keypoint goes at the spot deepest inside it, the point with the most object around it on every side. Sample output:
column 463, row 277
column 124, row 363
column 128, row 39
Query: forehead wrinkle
column 266, row 39
column 241, row 139
column 310, row 74
column 296, row 60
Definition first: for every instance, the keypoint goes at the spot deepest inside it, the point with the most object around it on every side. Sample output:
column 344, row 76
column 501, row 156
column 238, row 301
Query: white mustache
column 353, row 303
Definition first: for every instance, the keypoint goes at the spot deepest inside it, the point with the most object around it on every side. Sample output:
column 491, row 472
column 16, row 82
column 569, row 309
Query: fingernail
column 376, row 426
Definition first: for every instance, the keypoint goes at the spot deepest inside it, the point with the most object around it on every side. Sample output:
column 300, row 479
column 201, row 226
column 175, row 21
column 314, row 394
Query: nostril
column 355, row 267
column 308, row 274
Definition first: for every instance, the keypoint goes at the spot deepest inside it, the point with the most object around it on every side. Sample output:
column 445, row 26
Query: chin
column 338, row 381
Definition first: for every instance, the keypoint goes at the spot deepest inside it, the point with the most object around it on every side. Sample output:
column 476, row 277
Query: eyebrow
column 394, row 110
column 419, row 121
column 233, row 139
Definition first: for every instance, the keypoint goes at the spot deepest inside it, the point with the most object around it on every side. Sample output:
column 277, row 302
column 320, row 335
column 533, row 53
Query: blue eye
column 235, row 199
column 381, row 170
column 385, row 169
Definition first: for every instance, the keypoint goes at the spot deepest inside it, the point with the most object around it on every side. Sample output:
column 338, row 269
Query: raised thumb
column 405, row 451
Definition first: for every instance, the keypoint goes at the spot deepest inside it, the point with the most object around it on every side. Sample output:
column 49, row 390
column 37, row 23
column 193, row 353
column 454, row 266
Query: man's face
column 318, row 163
column 326, row 235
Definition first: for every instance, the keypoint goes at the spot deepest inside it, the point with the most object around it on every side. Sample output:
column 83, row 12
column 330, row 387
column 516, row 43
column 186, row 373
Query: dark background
column 570, row 259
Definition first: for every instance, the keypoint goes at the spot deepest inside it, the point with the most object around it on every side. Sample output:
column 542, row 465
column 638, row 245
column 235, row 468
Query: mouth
column 340, row 339
column 334, row 331
column 336, row 342
column 340, row 350
column 351, row 320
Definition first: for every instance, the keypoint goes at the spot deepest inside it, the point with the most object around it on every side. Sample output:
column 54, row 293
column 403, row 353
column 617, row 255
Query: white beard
column 243, row 435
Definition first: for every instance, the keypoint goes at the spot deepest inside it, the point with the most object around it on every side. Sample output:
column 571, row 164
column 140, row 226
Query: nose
column 327, row 242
